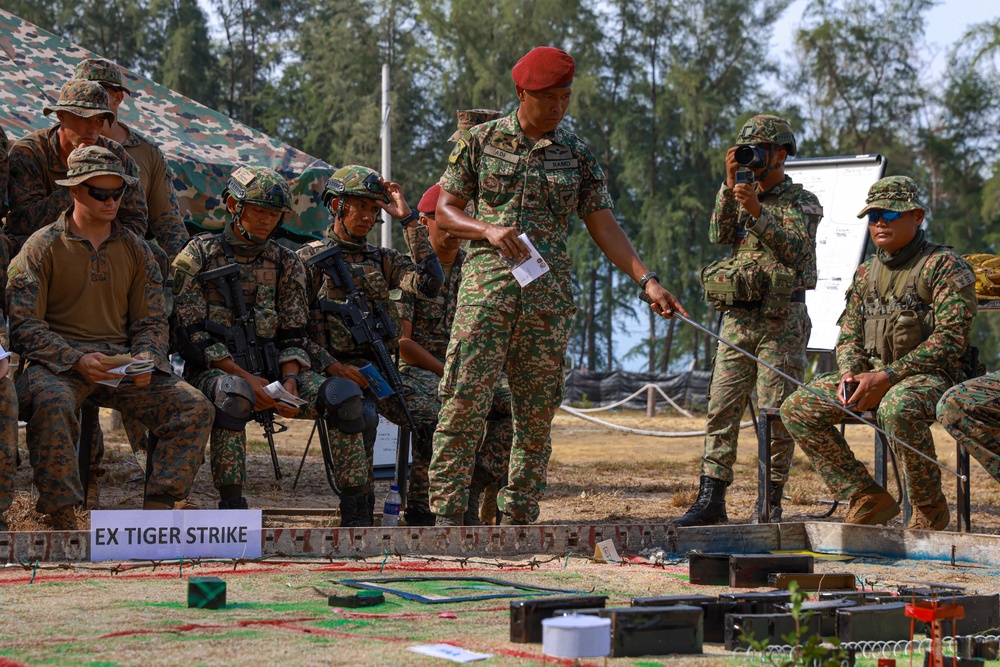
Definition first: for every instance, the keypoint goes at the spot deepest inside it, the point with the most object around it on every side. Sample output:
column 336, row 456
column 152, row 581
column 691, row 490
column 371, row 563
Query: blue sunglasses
column 888, row 216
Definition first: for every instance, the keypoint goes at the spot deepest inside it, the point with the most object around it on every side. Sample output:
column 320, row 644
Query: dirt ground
column 596, row 475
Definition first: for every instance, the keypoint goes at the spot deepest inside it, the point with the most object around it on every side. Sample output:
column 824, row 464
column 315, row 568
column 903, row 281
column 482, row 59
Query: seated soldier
column 230, row 364
column 970, row 412
column 8, row 397
column 84, row 288
column 426, row 326
column 355, row 196
column 902, row 339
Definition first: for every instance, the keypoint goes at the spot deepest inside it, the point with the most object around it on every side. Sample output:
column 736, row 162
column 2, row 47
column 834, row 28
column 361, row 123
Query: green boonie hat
column 101, row 70
column 767, row 129
column 355, row 181
column 470, row 118
column 82, row 98
column 259, row 186
column 86, row 162
column 893, row 193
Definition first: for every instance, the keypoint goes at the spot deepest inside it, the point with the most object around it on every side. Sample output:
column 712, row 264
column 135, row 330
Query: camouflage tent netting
column 201, row 145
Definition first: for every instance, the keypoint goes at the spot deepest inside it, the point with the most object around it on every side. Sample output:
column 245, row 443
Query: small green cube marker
column 206, row 592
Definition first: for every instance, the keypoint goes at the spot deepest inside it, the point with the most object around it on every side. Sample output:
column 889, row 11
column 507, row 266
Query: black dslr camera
column 751, row 156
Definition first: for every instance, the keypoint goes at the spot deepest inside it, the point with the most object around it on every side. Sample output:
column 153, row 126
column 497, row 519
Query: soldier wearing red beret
column 525, row 176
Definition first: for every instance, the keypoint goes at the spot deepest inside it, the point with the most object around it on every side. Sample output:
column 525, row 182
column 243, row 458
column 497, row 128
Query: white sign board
column 841, row 184
column 167, row 535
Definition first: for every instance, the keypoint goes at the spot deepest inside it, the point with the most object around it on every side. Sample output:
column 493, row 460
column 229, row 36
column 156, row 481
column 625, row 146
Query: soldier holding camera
column 771, row 224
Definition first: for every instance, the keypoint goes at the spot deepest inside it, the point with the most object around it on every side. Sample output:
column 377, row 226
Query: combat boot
column 508, row 520
column 418, row 517
column 450, row 519
column 232, row 497
column 64, row 519
column 370, row 508
column 777, row 494
column 871, row 507
column 471, row 516
column 710, row 506
column 930, row 517
column 354, row 511
column 93, row 500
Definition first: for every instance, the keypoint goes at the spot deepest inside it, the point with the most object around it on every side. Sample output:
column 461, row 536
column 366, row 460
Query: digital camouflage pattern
column 273, row 282
column 87, row 162
column 50, row 393
column 971, row 414
column 201, row 146
column 893, row 193
column 909, row 405
column 767, row 129
column 355, row 181
column 535, row 188
column 786, row 232
column 100, row 70
column 8, row 398
column 431, row 321
column 469, row 118
column 4, row 171
column 37, row 200
column 82, row 98
column 259, row 186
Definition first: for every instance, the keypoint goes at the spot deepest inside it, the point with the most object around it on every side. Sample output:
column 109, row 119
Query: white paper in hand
column 531, row 268
column 276, row 391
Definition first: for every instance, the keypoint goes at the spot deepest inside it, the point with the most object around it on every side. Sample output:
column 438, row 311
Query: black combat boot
column 471, row 517
column 232, row 497
column 709, row 508
column 354, row 511
column 776, row 493
column 370, row 508
column 418, row 516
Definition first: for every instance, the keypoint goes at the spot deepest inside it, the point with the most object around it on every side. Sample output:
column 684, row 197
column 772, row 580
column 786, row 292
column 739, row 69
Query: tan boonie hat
column 86, row 162
column 470, row 118
column 101, row 70
column 893, row 193
column 82, row 98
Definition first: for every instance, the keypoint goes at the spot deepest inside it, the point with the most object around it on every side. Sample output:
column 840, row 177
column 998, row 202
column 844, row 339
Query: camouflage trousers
column 175, row 412
column 493, row 454
column 483, row 340
column 228, row 452
column 8, row 443
column 971, row 414
column 905, row 411
column 780, row 342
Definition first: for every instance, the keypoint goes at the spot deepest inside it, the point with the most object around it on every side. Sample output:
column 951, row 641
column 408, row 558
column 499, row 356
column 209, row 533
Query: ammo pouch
column 733, row 279
column 779, row 293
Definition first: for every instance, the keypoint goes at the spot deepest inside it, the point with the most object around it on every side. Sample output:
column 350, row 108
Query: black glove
column 431, row 275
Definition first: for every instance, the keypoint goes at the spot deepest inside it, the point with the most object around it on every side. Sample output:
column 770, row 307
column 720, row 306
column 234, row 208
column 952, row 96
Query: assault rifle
column 369, row 325
column 248, row 352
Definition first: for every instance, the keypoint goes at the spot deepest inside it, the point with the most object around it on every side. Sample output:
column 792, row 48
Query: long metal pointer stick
column 645, row 297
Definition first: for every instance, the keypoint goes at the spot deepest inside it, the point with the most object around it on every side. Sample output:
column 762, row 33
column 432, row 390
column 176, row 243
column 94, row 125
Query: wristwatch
column 891, row 376
column 407, row 219
column 646, row 278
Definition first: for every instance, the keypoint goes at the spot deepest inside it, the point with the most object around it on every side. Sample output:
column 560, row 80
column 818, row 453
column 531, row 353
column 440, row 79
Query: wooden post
column 650, row 402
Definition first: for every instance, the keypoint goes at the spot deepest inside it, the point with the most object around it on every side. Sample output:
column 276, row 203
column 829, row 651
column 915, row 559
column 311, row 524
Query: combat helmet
column 355, row 181
column 767, row 129
column 261, row 187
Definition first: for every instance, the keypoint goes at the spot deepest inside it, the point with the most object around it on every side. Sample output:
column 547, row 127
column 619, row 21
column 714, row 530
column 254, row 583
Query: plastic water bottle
column 390, row 511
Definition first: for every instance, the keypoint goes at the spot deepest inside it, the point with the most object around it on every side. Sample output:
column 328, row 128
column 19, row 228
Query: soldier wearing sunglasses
column 82, row 289
column 903, row 336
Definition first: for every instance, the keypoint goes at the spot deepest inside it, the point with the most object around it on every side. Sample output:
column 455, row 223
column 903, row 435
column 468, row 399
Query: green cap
column 893, row 193
column 82, row 98
column 86, row 162
column 101, row 70
column 259, row 186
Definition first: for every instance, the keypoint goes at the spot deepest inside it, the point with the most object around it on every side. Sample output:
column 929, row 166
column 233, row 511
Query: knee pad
column 233, row 399
column 340, row 403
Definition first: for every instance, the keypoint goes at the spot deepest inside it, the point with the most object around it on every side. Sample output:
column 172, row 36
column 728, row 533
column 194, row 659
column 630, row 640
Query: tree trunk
column 652, row 341
column 667, row 345
column 591, row 331
column 609, row 294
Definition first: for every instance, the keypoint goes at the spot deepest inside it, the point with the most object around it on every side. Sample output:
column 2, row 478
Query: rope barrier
column 637, row 431
column 644, row 388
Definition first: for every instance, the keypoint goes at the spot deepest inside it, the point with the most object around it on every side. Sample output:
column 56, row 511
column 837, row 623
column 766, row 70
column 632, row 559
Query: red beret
column 428, row 203
column 544, row 67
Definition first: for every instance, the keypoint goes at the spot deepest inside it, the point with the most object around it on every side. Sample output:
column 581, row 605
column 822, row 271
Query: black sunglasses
column 102, row 194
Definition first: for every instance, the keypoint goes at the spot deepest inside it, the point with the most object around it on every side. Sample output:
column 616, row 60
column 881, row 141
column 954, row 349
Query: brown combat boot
column 873, row 506
column 930, row 517
column 64, row 519
column 93, row 500
column 450, row 519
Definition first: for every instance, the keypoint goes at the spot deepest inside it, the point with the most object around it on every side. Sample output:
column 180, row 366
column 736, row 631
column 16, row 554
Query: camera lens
column 751, row 156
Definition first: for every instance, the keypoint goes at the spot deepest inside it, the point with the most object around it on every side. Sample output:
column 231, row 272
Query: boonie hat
column 893, row 193
column 101, row 70
column 86, row 162
column 82, row 98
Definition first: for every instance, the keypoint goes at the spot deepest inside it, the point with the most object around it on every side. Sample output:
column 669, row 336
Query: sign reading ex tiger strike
column 165, row 535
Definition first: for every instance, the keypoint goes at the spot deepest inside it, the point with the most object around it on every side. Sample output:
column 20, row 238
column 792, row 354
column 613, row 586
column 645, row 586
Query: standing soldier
column 525, row 175
column 771, row 224
column 8, row 397
column 971, row 414
column 426, row 330
column 38, row 160
column 218, row 354
column 165, row 224
column 903, row 337
column 355, row 196
column 82, row 289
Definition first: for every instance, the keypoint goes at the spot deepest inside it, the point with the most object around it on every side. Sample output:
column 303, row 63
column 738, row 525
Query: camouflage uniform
column 35, row 165
column 431, row 321
column 273, row 282
column 4, row 171
column 971, row 414
column 922, row 374
column 8, row 397
column 50, row 392
column 787, row 228
column 165, row 224
column 535, row 188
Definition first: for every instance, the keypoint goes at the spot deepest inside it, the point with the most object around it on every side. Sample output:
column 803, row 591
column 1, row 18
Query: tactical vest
column 751, row 277
column 259, row 280
column 897, row 307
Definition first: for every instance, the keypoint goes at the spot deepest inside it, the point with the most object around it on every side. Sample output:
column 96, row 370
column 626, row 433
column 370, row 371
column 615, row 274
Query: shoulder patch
column 243, row 176
column 315, row 244
column 963, row 280
column 457, row 150
column 812, row 209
